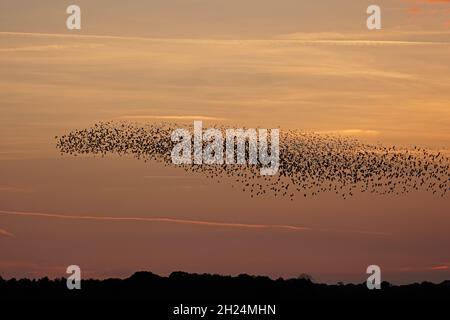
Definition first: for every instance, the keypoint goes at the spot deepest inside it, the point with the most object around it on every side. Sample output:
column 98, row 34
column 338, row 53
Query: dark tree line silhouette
column 207, row 288
column 145, row 295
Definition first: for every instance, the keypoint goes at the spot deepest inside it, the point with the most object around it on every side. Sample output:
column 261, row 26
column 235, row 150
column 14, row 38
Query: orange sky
column 292, row 64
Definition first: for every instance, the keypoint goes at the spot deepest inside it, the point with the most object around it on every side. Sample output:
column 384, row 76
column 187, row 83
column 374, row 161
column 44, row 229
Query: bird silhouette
column 309, row 164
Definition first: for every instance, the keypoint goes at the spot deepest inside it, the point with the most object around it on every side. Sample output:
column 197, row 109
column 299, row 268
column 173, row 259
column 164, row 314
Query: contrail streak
column 156, row 219
column 3, row 232
column 183, row 221
column 344, row 42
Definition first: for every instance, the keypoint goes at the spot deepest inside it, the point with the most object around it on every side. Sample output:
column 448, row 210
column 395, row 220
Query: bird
column 309, row 163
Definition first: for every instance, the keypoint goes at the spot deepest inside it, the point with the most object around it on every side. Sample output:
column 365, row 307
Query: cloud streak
column 291, row 38
column 351, row 132
column 15, row 189
column 440, row 267
column 6, row 233
column 202, row 223
column 156, row 219
column 180, row 117
column 436, row 1
column 53, row 47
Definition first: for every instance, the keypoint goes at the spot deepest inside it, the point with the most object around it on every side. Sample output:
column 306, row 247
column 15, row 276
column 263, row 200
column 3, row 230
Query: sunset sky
column 287, row 63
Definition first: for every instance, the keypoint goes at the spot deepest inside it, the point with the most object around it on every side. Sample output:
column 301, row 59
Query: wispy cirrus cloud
column 430, row 8
column 6, row 233
column 298, row 38
column 428, row 1
column 15, row 189
column 171, row 117
column 442, row 266
column 156, row 219
column 232, row 225
column 351, row 132
column 52, row 47
column 436, row 1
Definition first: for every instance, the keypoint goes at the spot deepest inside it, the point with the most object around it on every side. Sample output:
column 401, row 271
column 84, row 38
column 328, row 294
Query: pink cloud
column 443, row 267
column 157, row 219
column 183, row 221
column 5, row 233
column 429, row 1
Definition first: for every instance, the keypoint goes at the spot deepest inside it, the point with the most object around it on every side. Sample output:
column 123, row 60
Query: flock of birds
column 310, row 163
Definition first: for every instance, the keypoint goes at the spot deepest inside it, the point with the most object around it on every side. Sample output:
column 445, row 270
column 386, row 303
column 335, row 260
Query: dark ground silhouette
column 145, row 295
column 207, row 288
